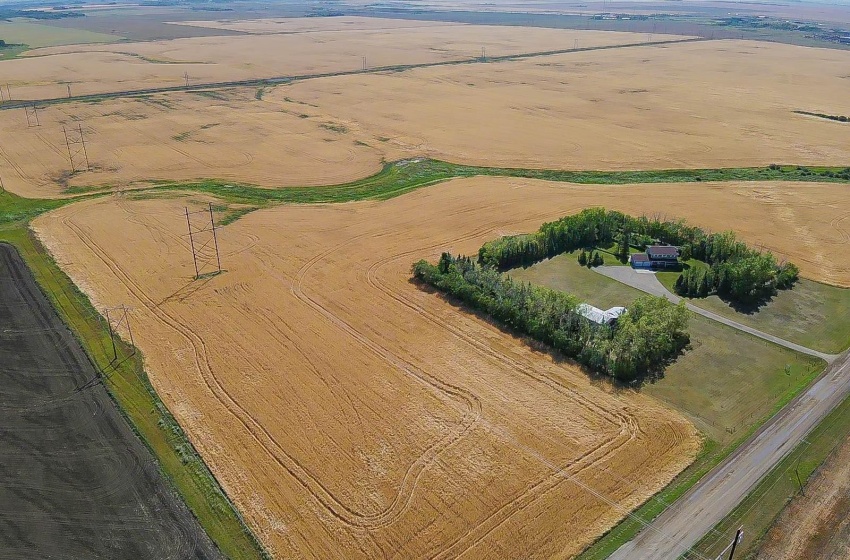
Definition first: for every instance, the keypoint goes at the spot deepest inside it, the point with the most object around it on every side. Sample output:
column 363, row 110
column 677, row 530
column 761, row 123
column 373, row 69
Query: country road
column 684, row 523
column 691, row 517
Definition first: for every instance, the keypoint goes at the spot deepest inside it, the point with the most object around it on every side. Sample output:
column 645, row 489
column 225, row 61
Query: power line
column 203, row 241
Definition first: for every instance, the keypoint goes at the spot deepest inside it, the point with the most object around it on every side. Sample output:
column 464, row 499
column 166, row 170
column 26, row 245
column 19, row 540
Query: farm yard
column 346, row 411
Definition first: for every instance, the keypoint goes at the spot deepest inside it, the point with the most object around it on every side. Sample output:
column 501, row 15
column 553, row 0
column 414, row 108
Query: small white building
column 608, row 317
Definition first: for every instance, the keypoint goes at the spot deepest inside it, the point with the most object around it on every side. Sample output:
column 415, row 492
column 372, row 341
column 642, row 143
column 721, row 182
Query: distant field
column 728, row 380
column 324, row 48
column 40, row 35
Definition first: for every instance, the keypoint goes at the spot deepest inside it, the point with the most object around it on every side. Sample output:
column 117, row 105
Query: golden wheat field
column 322, row 45
column 226, row 134
column 707, row 104
column 350, row 414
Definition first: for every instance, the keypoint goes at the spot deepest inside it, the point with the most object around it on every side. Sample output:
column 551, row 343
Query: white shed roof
column 598, row 316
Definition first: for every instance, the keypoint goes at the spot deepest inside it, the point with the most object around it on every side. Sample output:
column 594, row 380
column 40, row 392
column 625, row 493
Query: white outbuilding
column 608, row 317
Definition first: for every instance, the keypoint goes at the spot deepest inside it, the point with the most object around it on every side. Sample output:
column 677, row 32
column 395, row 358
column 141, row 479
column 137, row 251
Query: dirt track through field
column 348, row 413
column 76, row 482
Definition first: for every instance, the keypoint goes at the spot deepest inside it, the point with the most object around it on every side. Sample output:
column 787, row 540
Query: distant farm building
column 656, row 256
column 598, row 316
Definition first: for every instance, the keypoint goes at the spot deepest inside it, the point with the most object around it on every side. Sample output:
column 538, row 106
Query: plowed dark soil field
column 75, row 482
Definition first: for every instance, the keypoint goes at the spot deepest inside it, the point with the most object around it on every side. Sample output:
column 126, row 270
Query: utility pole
column 69, row 90
column 8, row 92
column 32, row 115
column 364, row 63
column 186, row 75
column 215, row 239
column 68, row 145
column 83, row 142
column 111, row 336
column 192, row 243
column 483, row 54
column 739, row 536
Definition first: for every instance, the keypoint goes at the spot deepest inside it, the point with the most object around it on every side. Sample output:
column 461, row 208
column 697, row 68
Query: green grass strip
column 400, row 177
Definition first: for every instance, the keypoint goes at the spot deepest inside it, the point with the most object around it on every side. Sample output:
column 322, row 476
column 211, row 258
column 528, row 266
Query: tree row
column 640, row 343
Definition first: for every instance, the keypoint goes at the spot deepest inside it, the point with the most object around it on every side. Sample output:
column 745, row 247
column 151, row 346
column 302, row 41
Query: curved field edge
column 710, row 456
column 128, row 385
column 764, row 504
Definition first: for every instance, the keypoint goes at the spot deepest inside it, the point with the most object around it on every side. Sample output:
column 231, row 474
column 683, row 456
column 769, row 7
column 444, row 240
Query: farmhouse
column 656, row 256
column 598, row 316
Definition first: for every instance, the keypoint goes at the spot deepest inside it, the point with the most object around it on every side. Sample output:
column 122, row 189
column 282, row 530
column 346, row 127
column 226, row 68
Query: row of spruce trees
column 641, row 343
column 737, row 272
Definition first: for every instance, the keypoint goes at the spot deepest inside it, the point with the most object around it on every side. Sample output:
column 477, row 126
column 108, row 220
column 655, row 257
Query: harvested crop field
column 350, row 414
column 633, row 108
column 688, row 105
column 225, row 134
column 76, row 481
column 815, row 526
column 42, row 73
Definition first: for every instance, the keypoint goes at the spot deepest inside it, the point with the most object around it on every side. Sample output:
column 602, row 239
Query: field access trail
column 682, row 525
column 75, row 482
column 647, row 282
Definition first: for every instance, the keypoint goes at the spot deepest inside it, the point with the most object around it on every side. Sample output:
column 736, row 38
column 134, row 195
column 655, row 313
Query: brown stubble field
column 350, row 414
column 709, row 104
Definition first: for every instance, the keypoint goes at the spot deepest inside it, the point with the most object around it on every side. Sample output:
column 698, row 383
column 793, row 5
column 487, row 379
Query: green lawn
column 812, row 314
column 720, row 391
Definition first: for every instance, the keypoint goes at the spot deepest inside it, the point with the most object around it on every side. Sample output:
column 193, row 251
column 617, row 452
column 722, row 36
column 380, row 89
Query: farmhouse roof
column 663, row 250
column 598, row 316
column 639, row 257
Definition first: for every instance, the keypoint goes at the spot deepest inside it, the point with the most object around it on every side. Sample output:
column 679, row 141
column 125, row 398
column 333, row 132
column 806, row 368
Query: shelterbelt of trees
column 646, row 338
column 737, row 272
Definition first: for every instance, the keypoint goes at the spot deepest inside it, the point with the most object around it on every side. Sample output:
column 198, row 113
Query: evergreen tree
column 582, row 258
column 680, row 283
column 624, row 248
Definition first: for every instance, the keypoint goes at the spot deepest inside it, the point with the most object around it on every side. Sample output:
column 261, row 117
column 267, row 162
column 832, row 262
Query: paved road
column 646, row 281
column 683, row 524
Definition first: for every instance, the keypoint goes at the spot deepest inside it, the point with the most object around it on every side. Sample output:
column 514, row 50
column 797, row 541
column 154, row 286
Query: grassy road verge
column 763, row 505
